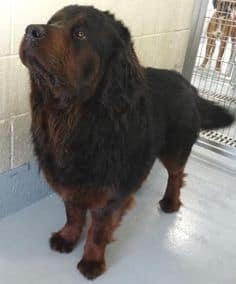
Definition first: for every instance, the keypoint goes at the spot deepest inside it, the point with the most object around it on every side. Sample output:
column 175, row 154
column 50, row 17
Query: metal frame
column 224, row 150
column 198, row 17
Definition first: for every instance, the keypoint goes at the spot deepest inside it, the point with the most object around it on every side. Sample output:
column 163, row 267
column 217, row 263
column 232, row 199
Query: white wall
column 160, row 29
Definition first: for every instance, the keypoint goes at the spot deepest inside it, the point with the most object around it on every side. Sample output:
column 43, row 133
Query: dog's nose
column 35, row 32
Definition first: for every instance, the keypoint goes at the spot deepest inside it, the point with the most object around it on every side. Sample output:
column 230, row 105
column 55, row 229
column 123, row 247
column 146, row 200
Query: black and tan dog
column 100, row 120
column 219, row 27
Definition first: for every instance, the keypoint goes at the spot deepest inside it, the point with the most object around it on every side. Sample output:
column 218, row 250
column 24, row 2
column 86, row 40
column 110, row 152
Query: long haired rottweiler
column 100, row 120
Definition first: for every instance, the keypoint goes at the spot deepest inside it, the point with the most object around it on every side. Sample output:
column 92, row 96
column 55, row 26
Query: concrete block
column 5, row 142
column 171, row 49
column 14, row 87
column 18, row 90
column 174, row 16
column 22, row 147
column 140, row 16
column 5, row 28
column 146, row 48
column 4, row 97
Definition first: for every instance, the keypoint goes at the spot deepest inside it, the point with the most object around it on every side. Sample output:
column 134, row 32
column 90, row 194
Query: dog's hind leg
column 175, row 167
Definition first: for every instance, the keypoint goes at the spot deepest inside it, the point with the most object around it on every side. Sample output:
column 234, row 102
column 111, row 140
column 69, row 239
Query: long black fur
column 136, row 115
column 96, row 141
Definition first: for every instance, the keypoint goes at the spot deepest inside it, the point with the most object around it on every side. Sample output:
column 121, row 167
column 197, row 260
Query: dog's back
column 185, row 113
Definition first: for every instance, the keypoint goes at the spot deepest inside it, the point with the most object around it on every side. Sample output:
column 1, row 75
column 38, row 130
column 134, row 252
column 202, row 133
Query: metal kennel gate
column 211, row 67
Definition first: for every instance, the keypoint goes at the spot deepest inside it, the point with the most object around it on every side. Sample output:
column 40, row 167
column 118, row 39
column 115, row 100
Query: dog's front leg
column 66, row 239
column 104, row 222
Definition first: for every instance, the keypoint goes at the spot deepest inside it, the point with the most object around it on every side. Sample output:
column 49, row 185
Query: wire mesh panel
column 214, row 73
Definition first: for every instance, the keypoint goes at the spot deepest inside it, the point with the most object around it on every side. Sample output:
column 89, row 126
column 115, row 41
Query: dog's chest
column 95, row 152
column 89, row 152
column 89, row 197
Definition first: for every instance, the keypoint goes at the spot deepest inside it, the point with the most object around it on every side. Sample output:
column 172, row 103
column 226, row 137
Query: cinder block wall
column 160, row 30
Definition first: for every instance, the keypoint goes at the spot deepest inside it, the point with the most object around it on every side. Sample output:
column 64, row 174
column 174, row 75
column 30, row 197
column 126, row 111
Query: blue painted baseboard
column 20, row 187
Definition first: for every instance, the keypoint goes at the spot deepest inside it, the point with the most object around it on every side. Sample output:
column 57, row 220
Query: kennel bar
column 217, row 86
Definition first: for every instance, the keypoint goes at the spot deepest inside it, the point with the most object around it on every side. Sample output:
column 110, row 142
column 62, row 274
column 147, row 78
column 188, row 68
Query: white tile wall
column 147, row 49
column 174, row 15
column 4, row 85
column 170, row 49
column 21, row 150
column 160, row 29
column 14, row 87
column 5, row 27
column 18, row 90
column 5, row 138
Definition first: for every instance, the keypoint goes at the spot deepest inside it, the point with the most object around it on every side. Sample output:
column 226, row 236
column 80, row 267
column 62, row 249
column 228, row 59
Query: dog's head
column 81, row 52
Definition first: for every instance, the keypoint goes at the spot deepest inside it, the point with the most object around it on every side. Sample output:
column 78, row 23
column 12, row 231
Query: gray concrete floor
column 196, row 245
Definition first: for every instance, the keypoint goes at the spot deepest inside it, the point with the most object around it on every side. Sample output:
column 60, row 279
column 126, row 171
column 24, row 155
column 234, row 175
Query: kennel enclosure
column 210, row 65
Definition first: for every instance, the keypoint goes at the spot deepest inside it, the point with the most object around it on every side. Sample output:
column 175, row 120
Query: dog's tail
column 213, row 116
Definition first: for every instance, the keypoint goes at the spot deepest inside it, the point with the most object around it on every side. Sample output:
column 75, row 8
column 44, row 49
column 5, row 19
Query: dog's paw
column 58, row 243
column 91, row 269
column 169, row 205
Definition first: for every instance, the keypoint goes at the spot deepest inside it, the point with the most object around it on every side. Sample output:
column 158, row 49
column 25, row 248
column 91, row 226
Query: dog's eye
column 79, row 34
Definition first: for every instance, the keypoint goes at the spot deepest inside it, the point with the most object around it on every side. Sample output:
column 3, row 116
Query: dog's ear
column 121, row 30
column 124, row 74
